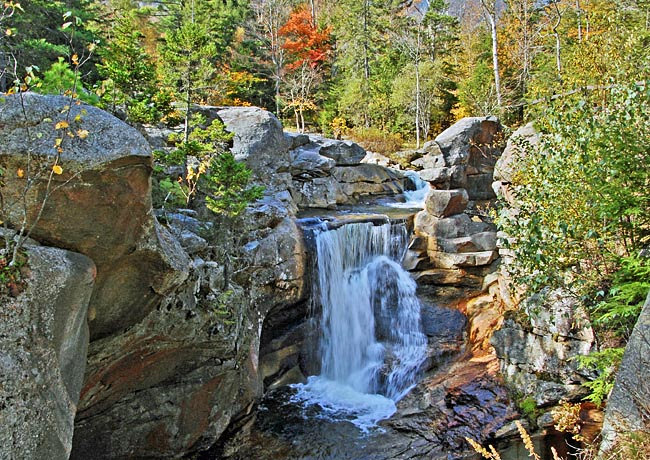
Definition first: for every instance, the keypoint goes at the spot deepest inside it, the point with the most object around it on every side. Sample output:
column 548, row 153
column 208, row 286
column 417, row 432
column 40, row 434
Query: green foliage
column 129, row 72
column 61, row 79
column 591, row 154
column 529, row 409
column 227, row 186
column 605, row 363
column 222, row 307
column 624, row 301
column 39, row 38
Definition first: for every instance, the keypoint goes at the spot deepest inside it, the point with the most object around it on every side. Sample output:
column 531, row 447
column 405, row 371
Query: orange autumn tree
column 307, row 49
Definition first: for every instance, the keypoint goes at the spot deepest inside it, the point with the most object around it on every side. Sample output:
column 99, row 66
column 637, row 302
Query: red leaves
column 304, row 42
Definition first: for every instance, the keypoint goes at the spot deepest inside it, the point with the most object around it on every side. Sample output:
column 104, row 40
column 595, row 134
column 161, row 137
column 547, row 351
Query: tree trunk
column 417, row 92
column 188, row 101
column 490, row 13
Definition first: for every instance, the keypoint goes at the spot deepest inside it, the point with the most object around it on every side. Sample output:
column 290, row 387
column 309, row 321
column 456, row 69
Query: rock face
column 106, row 194
column 173, row 383
column 43, row 344
column 627, row 406
column 536, row 351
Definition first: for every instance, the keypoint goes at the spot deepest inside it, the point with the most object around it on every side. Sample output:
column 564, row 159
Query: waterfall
column 371, row 343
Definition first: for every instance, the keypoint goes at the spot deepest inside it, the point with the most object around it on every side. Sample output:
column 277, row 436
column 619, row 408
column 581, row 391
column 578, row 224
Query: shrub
column 376, row 140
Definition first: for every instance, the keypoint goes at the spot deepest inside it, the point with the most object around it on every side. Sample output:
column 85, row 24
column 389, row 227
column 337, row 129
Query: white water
column 371, row 345
column 414, row 198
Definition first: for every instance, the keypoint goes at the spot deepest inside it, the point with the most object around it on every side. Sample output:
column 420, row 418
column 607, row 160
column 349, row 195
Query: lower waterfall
column 371, row 344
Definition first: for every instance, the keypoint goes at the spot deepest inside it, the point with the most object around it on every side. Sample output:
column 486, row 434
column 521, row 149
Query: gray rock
column 436, row 176
column 345, row 153
column 306, row 162
column 484, row 241
column 464, row 259
column 297, row 139
column 43, row 345
column 627, row 407
column 261, row 143
column 455, row 226
column 455, row 141
column 378, row 159
column 192, row 242
column 430, row 160
column 444, row 203
column 538, row 358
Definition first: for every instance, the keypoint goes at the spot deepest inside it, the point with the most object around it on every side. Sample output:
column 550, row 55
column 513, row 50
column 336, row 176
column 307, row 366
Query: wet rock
column 101, row 206
column 43, row 344
column 627, row 407
column 444, row 203
column 537, row 356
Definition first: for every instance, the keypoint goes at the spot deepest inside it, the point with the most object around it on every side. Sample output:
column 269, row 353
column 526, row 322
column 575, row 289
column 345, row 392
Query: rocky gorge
column 142, row 335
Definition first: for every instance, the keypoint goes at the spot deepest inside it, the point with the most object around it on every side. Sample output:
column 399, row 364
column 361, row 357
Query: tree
column 307, row 48
column 188, row 54
column 591, row 146
column 425, row 37
column 127, row 66
column 270, row 16
column 491, row 16
column 37, row 36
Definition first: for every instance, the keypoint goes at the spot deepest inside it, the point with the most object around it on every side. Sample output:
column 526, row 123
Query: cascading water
column 371, row 344
column 414, row 198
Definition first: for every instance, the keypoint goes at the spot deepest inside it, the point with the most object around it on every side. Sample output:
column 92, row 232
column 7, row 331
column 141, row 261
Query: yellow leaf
column 20, row 173
column 57, row 169
column 82, row 133
column 8, row 32
column 77, row 118
column 61, row 125
column 75, row 59
column 57, row 141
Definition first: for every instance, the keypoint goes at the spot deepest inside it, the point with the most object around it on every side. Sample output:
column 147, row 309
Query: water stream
column 371, row 343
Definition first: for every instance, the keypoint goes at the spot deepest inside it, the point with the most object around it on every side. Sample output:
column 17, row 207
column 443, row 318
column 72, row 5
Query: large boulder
column 99, row 206
column 261, row 143
column 445, row 203
column 43, row 345
column 459, row 142
column 537, row 347
column 627, row 407
column 345, row 153
column 463, row 156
